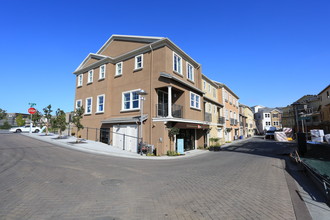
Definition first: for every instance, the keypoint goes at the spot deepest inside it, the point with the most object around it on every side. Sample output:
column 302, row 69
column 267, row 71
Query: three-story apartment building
column 213, row 110
column 230, row 101
column 150, row 79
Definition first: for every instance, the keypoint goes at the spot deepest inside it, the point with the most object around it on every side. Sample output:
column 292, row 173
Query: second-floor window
column 102, row 72
column 119, row 69
column 78, row 103
column 100, row 103
column 130, row 100
column 90, row 76
column 139, row 62
column 80, row 80
column 267, row 115
column 190, row 72
column 214, row 93
column 89, row 102
column 275, row 115
column 194, row 100
column 177, row 63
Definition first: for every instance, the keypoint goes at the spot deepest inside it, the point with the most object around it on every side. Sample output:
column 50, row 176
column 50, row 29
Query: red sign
column 32, row 110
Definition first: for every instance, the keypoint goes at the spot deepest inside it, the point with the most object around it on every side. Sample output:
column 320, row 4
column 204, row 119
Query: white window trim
column 90, row 72
column 135, row 65
column 100, row 76
column 97, row 104
column 199, row 103
column 175, row 54
column 80, row 82
column 117, row 74
column 192, row 73
column 131, row 101
column 88, row 113
column 78, row 100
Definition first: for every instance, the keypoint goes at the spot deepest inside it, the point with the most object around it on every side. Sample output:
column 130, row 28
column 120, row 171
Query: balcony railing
column 221, row 120
column 207, row 117
column 162, row 110
column 232, row 121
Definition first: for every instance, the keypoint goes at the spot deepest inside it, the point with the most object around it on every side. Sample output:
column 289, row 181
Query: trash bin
column 241, row 137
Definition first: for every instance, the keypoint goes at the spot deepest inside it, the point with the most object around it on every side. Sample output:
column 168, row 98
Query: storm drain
column 112, row 182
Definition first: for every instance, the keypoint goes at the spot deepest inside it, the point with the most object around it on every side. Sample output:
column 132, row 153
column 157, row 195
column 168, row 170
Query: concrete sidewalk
column 104, row 149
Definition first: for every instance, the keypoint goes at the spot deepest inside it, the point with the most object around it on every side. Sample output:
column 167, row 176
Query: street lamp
column 141, row 93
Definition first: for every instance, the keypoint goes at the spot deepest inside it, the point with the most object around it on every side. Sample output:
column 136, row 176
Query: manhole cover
column 112, row 182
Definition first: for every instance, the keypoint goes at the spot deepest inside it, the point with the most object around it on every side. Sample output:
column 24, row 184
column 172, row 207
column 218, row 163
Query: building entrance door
column 188, row 136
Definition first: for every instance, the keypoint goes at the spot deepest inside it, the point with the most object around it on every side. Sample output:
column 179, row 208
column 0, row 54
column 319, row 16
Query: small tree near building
column 20, row 121
column 60, row 121
column 36, row 118
column 77, row 116
column 47, row 112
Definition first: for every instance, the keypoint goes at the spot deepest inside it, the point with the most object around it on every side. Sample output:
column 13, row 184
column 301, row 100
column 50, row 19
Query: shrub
column 172, row 153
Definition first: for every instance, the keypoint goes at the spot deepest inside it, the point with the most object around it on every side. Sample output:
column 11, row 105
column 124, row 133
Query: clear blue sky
column 269, row 52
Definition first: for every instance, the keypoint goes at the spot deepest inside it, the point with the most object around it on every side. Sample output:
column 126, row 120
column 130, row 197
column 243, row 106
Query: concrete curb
column 104, row 149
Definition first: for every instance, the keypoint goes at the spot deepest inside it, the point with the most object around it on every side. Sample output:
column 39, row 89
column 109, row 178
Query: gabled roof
column 91, row 55
column 210, row 80
column 324, row 89
column 152, row 43
column 226, row 87
column 131, row 38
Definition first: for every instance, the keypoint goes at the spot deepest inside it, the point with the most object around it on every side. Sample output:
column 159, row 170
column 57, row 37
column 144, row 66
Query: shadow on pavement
column 310, row 194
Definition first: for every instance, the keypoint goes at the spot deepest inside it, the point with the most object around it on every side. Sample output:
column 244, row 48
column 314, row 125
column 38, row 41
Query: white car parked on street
column 25, row 129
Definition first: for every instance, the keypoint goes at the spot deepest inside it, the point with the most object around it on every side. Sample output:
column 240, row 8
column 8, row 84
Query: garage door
column 125, row 137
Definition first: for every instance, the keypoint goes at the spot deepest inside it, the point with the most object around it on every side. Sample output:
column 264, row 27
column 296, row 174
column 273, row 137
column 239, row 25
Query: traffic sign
column 32, row 110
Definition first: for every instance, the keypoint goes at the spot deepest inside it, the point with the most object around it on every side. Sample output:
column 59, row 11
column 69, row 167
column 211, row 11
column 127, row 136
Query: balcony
column 221, row 120
column 232, row 121
column 162, row 110
column 207, row 117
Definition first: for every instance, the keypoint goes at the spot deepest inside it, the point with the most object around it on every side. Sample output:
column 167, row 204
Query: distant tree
column 47, row 113
column 36, row 118
column 20, row 121
column 6, row 125
column 60, row 121
column 77, row 116
column 3, row 114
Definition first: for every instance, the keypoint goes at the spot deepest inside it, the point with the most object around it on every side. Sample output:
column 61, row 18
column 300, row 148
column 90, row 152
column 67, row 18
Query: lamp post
column 141, row 93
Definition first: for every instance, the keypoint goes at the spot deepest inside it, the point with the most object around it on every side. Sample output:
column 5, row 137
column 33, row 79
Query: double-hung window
column 100, row 103
column 90, row 76
column 139, row 62
column 89, row 102
column 194, row 100
column 80, row 80
column 102, row 72
column 177, row 63
column 130, row 100
column 190, row 72
column 78, row 103
column 119, row 69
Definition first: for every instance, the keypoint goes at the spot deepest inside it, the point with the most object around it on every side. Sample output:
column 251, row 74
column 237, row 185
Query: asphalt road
column 43, row 181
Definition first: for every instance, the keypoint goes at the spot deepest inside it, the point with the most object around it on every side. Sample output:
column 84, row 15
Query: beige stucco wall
column 148, row 79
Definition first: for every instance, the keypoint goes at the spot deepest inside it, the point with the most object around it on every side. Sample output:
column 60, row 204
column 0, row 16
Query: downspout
column 151, row 92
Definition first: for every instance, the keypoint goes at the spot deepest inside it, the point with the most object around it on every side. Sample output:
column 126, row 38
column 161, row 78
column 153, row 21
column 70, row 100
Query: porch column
column 169, row 88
